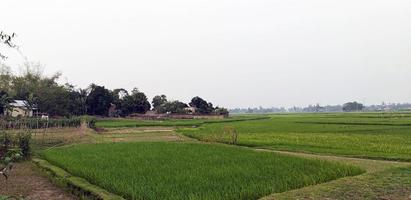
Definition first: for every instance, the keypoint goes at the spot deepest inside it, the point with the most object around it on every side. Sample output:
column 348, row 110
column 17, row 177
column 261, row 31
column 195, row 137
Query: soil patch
column 26, row 182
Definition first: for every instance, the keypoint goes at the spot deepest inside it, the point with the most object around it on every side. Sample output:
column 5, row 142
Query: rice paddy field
column 366, row 135
column 170, row 170
column 277, row 156
column 122, row 123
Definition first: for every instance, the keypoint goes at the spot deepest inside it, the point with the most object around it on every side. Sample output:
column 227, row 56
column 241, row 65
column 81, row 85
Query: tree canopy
column 202, row 106
column 352, row 106
column 159, row 101
column 49, row 97
column 136, row 102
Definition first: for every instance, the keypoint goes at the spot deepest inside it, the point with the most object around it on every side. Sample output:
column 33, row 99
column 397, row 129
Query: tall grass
column 192, row 171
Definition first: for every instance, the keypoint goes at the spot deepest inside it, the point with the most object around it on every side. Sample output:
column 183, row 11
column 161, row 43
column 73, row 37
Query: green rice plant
column 121, row 122
column 161, row 170
column 355, row 135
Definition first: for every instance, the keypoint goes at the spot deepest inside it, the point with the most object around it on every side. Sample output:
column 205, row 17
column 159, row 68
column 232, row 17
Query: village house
column 19, row 108
column 190, row 110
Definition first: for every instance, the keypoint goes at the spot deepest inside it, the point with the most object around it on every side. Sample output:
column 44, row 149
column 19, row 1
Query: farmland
column 277, row 156
column 198, row 171
column 118, row 123
column 377, row 136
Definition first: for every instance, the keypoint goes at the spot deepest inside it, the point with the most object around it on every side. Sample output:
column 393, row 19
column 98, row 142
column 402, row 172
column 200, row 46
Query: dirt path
column 26, row 182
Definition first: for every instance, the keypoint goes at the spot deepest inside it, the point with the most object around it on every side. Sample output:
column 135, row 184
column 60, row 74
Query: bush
column 24, row 144
column 89, row 120
column 37, row 123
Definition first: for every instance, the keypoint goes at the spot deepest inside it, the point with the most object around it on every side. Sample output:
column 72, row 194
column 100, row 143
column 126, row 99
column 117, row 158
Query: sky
column 234, row 53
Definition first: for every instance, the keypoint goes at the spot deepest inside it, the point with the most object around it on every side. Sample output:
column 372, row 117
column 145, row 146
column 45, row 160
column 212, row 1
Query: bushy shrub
column 89, row 120
column 37, row 123
column 24, row 144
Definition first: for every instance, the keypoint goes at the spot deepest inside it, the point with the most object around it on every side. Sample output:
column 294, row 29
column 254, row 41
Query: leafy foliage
column 99, row 100
column 352, row 106
column 137, row 102
column 202, row 106
column 159, row 101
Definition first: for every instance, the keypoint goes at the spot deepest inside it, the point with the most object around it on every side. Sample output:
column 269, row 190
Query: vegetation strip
column 76, row 185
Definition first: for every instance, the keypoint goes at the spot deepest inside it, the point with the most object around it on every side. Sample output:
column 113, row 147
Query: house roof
column 19, row 103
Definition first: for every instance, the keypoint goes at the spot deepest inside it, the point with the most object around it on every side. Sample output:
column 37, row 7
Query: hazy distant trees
column 221, row 111
column 162, row 105
column 202, row 106
column 174, row 107
column 352, row 106
column 49, row 97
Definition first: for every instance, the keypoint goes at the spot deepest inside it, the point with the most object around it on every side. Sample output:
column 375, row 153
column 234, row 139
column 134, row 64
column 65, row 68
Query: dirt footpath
column 25, row 181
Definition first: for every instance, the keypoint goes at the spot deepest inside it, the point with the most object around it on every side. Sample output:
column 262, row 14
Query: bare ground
column 28, row 183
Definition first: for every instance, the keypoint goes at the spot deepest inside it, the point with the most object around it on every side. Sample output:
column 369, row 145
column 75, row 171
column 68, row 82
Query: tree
column 221, row 111
column 5, row 100
column 159, row 101
column 202, row 106
column 352, row 106
column 5, row 77
column 41, row 92
column 137, row 102
column 175, row 107
column 76, row 103
column 99, row 100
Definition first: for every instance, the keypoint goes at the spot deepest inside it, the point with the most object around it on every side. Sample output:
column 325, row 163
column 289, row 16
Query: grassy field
column 121, row 123
column 367, row 135
column 169, row 170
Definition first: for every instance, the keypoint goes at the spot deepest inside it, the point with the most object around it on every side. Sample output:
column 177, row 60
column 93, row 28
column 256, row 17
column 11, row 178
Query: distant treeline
column 347, row 107
column 45, row 95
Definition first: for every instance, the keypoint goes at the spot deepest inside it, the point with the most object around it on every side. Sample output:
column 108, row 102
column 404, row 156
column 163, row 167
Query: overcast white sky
column 235, row 53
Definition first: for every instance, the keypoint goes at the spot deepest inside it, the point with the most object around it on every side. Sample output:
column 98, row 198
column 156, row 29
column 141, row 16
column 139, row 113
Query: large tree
column 159, row 101
column 136, row 102
column 99, row 100
column 202, row 106
column 42, row 92
column 77, row 98
column 175, row 107
column 352, row 106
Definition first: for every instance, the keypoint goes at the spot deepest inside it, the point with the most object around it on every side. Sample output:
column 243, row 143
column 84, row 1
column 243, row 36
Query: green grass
column 161, row 170
column 367, row 135
column 121, row 122
column 393, row 183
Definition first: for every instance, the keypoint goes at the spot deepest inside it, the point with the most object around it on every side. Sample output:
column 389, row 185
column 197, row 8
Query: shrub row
column 38, row 123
